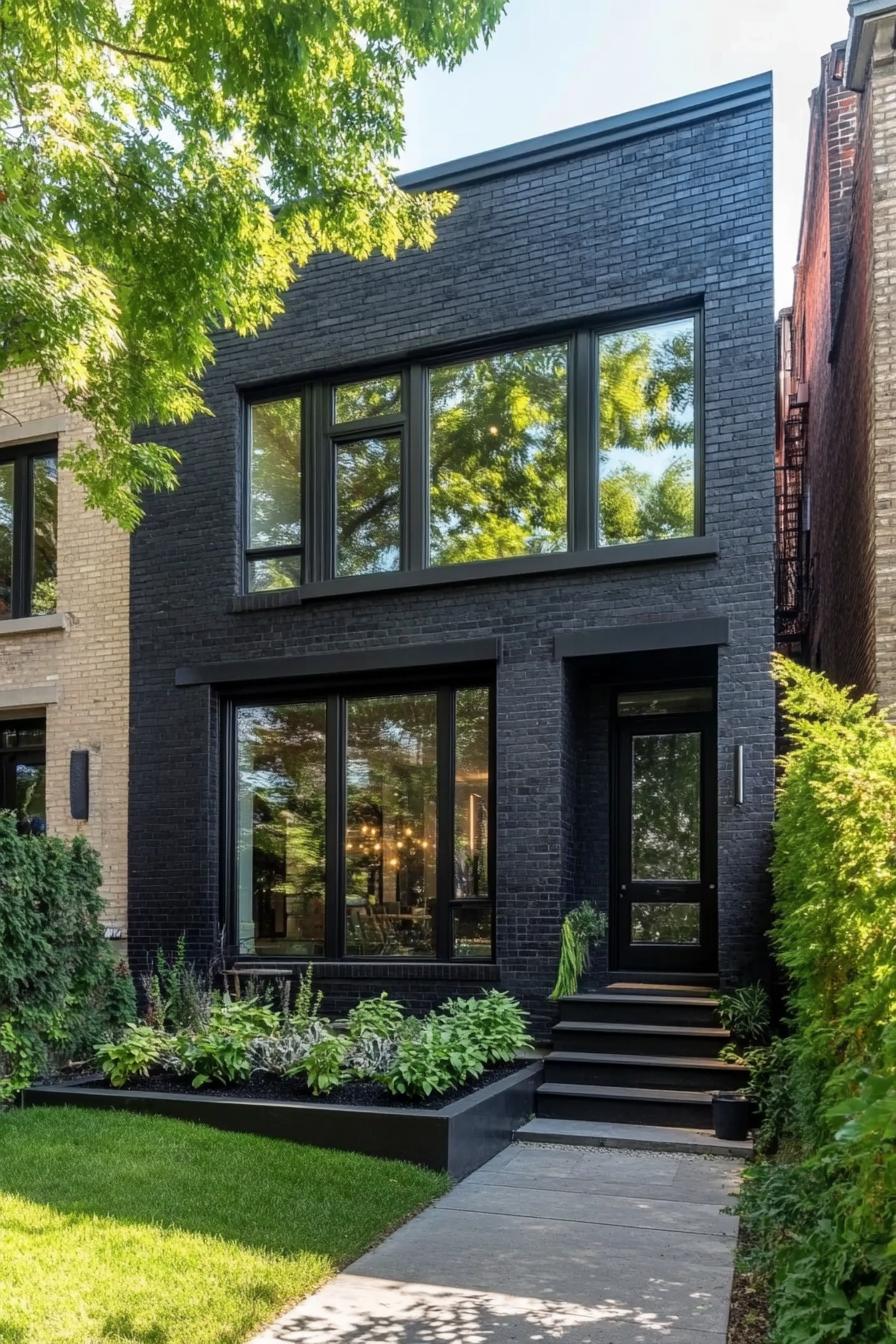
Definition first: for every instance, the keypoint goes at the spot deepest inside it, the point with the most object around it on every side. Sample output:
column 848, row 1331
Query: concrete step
column 627, row 1038
column 651, row 1071
column 624, row 1105
column 601, row 1134
column 669, row 979
column 673, row 1010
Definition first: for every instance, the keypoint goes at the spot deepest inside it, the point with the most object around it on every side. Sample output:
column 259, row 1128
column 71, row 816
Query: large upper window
column 28, row 487
column 646, row 432
column 498, row 456
column 585, row 440
column 362, row 825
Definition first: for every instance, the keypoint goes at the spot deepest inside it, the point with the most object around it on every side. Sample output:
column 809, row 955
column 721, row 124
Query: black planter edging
column 457, row 1139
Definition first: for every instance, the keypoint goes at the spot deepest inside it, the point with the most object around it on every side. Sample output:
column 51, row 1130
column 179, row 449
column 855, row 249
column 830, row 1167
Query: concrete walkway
column 597, row 1246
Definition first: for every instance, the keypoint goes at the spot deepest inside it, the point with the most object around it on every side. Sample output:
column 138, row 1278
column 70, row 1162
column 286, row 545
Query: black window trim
column 320, row 433
column 335, row 699
column 22, row 457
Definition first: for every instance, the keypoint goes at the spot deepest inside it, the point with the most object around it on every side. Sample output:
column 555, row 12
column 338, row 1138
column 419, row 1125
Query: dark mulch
column 748, row 1322
column 265, row 1087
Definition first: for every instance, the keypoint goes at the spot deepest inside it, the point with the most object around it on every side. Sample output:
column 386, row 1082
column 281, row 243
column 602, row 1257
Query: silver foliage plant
column 372, row 1056
column 280, row 1054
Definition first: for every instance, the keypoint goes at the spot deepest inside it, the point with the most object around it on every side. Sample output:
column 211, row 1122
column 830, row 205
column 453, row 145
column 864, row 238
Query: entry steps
column 637, row 1053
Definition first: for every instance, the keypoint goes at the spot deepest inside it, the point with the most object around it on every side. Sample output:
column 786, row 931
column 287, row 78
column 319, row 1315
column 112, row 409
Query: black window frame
column 445, row 691
column 24, row 753
column 22, row 457
column 321, row 434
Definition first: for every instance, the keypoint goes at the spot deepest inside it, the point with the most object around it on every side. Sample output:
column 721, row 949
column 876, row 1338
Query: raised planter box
column 457, row 1139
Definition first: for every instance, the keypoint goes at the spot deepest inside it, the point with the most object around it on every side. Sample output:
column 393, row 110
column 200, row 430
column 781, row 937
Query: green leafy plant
column 213, row 1055
column 821, row 1205
column 133, row 1056
column 178, row 995
column 324, row 1064
column 307, row 1004
column 581, row 929
column 496, row 1019
column 381, row 1016
column 746, row 1013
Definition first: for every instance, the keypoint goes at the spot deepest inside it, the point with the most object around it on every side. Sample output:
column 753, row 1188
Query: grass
column 140, row 1230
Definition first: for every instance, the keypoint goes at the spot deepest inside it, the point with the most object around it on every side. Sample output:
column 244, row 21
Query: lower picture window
column 23, row 773
column 394, row 789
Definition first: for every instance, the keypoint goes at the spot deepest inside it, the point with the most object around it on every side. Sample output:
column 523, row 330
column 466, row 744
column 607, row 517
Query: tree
column 165, row 168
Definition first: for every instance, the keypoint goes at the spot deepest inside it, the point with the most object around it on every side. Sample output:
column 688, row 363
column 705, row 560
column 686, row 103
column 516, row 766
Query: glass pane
column 282, row 571
column 373, row 396
column 368, row 505
column 31, row 797
column 7, row 487
column 689, row 700
column 472, row 931
column 471, row 794
column 665, row 922
column 281, row 837
column 646, row 416
column 498, row 445
column 275, row 493
column 390, row 836
column 666, row 807
column 43, row 541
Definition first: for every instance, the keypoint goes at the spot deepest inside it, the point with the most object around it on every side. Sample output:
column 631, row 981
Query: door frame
column 704, row 958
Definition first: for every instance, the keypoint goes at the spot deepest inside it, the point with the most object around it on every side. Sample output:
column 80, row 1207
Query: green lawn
column 150, row 1231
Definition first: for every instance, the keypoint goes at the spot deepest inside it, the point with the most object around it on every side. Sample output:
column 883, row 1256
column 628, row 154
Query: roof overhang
column 864, row 16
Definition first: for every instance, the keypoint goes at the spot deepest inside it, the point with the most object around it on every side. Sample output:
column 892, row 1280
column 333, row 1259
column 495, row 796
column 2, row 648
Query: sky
column 558, row 63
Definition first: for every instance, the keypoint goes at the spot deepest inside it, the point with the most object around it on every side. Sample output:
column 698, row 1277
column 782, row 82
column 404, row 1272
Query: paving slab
column 588, row 1255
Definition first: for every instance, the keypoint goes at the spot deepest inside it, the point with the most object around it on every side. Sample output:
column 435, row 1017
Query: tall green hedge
column 61, row 986
column 822, row 1203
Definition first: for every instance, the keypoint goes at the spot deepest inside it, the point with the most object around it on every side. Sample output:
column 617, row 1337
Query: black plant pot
column 731, row 1116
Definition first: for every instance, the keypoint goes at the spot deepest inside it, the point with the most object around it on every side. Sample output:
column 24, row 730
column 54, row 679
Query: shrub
column 822, row 1205
column 746, row 1013
column 61, row 989
column 133, row 1056
column 381, row 1016
column 323, row 1066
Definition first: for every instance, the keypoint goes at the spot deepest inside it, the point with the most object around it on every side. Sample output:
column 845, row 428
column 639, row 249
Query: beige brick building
column 63, row 645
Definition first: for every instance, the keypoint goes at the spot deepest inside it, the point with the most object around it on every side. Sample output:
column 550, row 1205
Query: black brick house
column 463, row 611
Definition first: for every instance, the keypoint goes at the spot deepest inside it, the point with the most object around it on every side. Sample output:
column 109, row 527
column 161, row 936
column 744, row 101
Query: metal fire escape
column 793, row 579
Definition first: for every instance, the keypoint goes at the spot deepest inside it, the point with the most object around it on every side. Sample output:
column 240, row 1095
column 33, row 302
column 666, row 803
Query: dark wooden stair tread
column 642, row 1029
column 649, row 1061
column 655, row 1000
column 590, row 1092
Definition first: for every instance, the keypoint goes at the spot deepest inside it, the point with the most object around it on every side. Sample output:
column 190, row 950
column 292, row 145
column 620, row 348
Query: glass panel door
column 665, row 912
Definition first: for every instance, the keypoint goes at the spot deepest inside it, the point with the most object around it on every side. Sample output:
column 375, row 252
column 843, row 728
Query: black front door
column 664, row 912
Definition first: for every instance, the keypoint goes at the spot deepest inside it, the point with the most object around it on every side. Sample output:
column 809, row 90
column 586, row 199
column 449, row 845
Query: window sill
column 480, row 972
column 32, row 625
column 478, row 571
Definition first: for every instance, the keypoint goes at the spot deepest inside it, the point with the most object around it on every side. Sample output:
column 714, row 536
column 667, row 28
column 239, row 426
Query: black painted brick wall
column 681, row 214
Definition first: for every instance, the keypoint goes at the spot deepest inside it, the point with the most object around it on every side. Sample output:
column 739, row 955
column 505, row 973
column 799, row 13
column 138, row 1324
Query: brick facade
column 77, row 673
column 843, row 334
column 683, row 213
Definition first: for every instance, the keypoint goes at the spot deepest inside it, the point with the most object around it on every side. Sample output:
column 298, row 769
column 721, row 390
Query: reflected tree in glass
column 281, row 835
column 7, row 495
column 368, row 398
column 275, row 490
column 666, row 807
column 43, row 540
column 368, row 505
column 498, row 456
column 472, row 931
column 390, row 836
column 646, row 427
column 665, row 922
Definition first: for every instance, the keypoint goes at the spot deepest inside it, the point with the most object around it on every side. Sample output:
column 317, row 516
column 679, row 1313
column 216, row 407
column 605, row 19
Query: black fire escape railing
column 792, row 566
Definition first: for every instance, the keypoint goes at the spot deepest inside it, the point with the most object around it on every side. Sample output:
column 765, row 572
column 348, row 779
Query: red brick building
column 836, row 447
